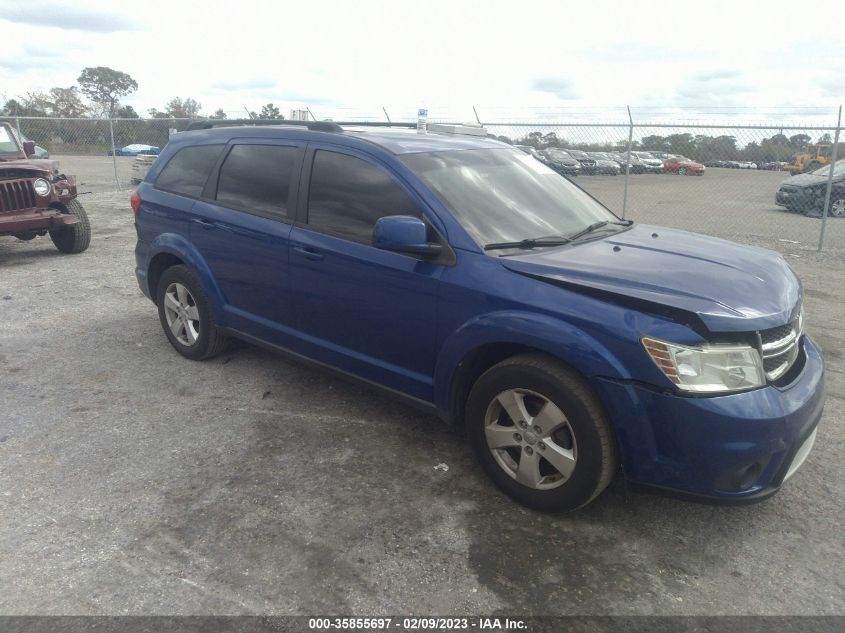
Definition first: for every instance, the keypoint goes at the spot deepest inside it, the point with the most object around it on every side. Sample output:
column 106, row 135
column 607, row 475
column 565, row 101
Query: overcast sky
column 510, row 59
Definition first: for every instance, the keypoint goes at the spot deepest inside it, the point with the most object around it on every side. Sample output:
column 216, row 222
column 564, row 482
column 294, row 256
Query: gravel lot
column 134, row 481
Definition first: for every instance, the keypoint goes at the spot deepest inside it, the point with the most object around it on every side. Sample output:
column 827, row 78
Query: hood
column 729, row 287
column 40, row 165
column 808, row 180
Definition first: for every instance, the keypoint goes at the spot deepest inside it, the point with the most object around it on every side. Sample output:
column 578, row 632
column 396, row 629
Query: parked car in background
column 682, row 166
column 136, row 149
column 644, row 163
column 605, row 164
column 561, row 161
column 588, row 163
column 805, row 193
column 569, row 345
column 777, row 165
column 746, row 164
column 36, row 199
column 716, row 163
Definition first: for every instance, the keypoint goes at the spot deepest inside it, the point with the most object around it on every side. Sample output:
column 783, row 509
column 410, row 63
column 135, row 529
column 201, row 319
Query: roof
column 394, row 140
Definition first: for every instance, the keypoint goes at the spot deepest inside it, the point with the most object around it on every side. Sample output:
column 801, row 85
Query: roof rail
column 317, row 126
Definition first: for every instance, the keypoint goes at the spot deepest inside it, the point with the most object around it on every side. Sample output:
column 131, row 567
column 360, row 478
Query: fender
column 177, row 245
column 555, row 336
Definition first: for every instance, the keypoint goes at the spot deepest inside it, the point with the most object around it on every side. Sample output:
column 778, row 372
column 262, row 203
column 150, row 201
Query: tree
column 269, row 111
column 800, row 141
column 179, row 108
column 825, row 139
column 104, row 86
column 66, row 103
column 218, row 114
column 126, row 112
column 655, row 143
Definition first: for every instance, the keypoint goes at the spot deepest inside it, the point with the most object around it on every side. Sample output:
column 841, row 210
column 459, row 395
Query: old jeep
column 36, row 199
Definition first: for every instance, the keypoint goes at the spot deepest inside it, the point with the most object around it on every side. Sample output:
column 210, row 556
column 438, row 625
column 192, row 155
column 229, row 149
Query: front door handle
column 309, row 253
column 204, row 223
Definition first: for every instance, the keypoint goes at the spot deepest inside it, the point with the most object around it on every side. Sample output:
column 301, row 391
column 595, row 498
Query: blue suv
column 469, row 278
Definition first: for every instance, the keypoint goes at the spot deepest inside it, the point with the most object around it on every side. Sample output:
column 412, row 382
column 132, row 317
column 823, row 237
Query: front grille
column 779, row 347
column 16, row 195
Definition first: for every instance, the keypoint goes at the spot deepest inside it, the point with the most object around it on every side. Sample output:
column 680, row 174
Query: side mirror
column 29, row 148
column 404, row 234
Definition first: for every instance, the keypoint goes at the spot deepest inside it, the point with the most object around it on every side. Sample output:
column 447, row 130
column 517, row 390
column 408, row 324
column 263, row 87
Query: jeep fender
column 551, row 335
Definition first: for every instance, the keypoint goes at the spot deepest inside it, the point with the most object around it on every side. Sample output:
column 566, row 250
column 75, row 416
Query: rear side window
column 188, row 170
column 348, row 195
column 256, row 178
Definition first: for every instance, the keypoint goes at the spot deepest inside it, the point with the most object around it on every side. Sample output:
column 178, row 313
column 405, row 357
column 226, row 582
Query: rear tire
column 837, row 207
column 682, row 171
column 185, row 315
column 561, row 431
column 74, row 238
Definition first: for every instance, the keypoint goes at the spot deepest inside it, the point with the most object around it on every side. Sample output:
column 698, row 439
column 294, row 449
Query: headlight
column 708, row 369
column 42, row 187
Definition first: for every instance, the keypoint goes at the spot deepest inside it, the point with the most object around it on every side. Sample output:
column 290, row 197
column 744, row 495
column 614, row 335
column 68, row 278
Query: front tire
column 837, row 207
column 74, row 238
column 682, row 171
column 185, row 315
column 541, row 434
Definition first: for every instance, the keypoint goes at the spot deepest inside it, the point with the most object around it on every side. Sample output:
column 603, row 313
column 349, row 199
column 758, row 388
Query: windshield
column 500, row 195
column 8, row 143
column 577, row 153
column 645, row 155
column 838, row 169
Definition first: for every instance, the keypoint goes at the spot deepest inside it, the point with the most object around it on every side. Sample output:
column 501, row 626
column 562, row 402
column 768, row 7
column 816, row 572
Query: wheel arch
column 490, row 339
column 169, row 250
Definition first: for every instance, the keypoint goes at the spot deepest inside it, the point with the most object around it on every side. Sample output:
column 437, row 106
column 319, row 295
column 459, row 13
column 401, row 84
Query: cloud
column 561, row 88
column 243, row 84
column 833, row 86
column 66, row 16
column 640, row 52
column 719, row 87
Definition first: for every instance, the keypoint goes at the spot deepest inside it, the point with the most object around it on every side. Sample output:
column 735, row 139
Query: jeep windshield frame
column 9, row 146
column 504, row 195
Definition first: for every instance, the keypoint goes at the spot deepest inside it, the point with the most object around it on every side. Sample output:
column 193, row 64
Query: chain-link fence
column 717, row 177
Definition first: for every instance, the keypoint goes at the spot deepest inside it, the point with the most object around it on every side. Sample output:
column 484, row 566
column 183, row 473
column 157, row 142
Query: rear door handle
column 308, row 252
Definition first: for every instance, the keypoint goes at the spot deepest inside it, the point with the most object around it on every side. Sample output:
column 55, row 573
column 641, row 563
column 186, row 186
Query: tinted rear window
column 257, row 178
column 188, row 170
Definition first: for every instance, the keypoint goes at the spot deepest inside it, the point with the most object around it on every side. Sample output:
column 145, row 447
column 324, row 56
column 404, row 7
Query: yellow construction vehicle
column 816, row 156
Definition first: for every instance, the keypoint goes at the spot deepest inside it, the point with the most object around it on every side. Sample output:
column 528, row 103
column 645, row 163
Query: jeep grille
column 16, row 195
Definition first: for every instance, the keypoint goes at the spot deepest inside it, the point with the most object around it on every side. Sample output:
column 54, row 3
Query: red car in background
column 682, row 166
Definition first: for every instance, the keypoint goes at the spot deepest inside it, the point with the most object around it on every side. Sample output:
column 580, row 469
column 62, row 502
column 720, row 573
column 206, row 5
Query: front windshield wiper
column 597, row 225
column 532, row 242
column 554, row 240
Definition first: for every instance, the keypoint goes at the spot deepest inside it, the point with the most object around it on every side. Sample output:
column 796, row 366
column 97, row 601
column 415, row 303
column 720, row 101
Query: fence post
column 18, row 125
column 826, row 206
column 475, row 112
column 113, row 152
column 628, row 162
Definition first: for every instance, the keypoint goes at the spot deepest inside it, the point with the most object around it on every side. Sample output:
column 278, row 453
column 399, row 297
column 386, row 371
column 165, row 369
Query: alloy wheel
column 182, row 314
column 837, row 208
column 530, row 439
